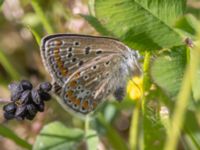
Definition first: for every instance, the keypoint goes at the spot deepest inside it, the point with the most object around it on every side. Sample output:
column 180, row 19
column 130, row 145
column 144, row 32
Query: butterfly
column 87, row 69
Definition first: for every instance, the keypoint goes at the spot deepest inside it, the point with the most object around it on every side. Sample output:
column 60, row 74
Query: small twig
column 3, row 100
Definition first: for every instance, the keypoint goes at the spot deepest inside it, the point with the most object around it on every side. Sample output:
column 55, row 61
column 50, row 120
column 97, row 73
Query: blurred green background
column 22, row 24
column 20, row 59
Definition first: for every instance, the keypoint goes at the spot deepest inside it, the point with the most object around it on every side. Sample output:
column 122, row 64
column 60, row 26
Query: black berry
column 10, row 108
column 25, row 97
column 45, row 96
column 26, row 85
column 40, row 107
column 35, row 96
column 31, row 108
column 26, row 100
column 8, row 116
column 16, row 91
column 45, row 86
column 21, row 111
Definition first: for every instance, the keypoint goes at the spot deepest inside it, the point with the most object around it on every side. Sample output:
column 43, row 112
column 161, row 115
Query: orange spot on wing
column 94, row 105
column 56, row 51
column 73, row 84
column 73, row 99
column 85, row 104
column 64, row 72
column 59, row 62
column 77, row 102
column 70, row 93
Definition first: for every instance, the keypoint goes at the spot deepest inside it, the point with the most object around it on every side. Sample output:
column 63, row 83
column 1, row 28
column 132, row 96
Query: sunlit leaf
column 196, row 77
column 92, row 139
column 188, row 24
column 56, row 136
column 36, row 35
column 143, row 25
column 96, row 24
column 167, row 71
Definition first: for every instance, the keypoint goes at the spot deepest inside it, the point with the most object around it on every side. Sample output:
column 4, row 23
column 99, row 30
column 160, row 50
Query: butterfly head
column 132, row 61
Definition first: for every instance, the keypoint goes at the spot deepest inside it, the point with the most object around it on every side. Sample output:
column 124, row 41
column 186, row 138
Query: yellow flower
column 134, row 88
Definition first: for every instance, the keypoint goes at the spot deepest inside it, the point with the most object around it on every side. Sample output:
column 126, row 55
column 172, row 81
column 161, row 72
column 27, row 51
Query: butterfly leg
column 119, row 93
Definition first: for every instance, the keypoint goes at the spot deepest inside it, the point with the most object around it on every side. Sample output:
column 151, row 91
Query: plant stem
column 182, row 102
column 133, row 134
column 146, row 87
column 4, row 100
column 146, row 80
column 42, row 16
column 87, row 123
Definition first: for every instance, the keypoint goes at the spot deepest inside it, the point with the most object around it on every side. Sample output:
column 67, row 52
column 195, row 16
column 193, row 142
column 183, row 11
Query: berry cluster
column 26, row 101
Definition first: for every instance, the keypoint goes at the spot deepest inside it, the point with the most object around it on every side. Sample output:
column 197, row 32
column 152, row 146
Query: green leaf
column 193, row 10
column 191, row 122
column 113, row 137
column 1, row 2
column 188, row 24
column 6, row 132
column 56, row 136
column 192, row 140
column 143, row 25
column 96, row 24
column 167, row 71
column 4, row 61
column 196, row 77
column 36, row 35
column 92, row 139
column 151, row 120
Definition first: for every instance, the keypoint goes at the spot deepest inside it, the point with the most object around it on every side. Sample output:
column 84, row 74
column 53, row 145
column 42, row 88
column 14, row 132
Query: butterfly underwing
column 86, row 69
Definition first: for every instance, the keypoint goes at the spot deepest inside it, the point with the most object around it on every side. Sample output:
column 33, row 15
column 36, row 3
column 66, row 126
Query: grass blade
column 8, row 66
column 42, row 16
column 115, row 140
column 6, row 132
